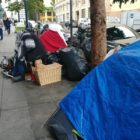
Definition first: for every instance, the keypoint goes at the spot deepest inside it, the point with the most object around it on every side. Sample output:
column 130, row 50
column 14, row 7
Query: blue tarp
column 105, row 105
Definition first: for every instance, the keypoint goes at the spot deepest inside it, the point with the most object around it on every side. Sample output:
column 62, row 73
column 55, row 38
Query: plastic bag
column 50, row 58
column 75, row 63
column 86, row 47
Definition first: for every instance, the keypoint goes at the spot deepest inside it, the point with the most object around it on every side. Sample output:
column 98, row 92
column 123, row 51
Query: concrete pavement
column 25, row 106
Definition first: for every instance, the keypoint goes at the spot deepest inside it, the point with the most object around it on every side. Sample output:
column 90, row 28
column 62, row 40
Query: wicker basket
column 47, row 74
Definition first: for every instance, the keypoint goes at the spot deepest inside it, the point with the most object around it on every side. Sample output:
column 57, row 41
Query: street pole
column 71, row 22
column 26, row 14
column 18, row 12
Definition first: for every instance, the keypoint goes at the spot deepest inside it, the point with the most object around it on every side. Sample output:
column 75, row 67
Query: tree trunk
column 98, row 29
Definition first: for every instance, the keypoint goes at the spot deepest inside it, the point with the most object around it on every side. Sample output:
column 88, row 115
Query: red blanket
column 52, row 41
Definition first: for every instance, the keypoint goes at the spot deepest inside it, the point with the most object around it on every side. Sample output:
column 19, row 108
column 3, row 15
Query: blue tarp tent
column 105, row 105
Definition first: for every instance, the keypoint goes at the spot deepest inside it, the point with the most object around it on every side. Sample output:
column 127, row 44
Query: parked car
column 122, row 34
column 138, row 31
column 117, row 36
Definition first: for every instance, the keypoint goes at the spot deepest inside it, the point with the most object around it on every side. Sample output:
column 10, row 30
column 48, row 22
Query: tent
column 52, row 41
column 105, row 105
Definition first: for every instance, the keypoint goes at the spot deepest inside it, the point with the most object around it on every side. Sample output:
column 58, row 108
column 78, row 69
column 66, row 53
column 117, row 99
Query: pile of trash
column 50, row 47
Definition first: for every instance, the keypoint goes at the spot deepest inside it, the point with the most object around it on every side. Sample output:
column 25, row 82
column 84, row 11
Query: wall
column 128, row 6
column 62, row 9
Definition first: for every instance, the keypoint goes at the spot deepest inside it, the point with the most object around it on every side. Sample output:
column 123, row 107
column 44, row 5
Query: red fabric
column 32, row 75
column 52, row 41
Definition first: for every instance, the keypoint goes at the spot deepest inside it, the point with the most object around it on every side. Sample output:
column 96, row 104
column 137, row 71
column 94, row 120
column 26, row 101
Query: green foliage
column 35, row 7
column 123, row 1
column 15, row 6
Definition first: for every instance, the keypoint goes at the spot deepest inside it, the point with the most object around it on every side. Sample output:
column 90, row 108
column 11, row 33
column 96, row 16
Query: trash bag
column 86, row 47
column 50, row 58
column 76, row 42
column 60, row 127
column 74, row 62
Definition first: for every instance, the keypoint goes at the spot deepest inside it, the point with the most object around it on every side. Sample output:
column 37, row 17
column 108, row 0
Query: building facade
column 49, row 13
column 80, row 8
column 114, row 16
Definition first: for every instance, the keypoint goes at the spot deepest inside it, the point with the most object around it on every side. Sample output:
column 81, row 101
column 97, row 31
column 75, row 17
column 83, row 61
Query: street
column 25, row 106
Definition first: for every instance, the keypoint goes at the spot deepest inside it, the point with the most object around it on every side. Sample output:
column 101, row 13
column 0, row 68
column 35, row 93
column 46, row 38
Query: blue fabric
column 19, row 68
column 105, row 105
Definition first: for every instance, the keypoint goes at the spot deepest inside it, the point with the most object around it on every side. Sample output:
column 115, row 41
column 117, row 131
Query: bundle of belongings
column 50, row 47
column 105, row 105
column 28, row 49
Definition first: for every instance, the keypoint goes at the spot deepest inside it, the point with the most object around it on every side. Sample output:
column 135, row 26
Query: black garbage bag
column 76, row 42
column 50, row 58
column 74, row 62
column 86, row 47
column 60, row 127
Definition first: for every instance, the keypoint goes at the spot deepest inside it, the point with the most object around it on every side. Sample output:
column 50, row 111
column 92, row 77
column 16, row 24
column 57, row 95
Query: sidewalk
column 24, row 106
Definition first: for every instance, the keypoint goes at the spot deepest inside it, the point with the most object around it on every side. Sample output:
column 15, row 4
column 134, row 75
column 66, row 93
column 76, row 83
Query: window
column 119, row 32
column 127, row 32
column 68, row 16
column 68, row 7
column 89, row 12
column 49, row 14
column 83, row 13
column 83, row 1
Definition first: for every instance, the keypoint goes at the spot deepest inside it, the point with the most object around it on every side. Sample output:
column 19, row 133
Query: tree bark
column 98, row 30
